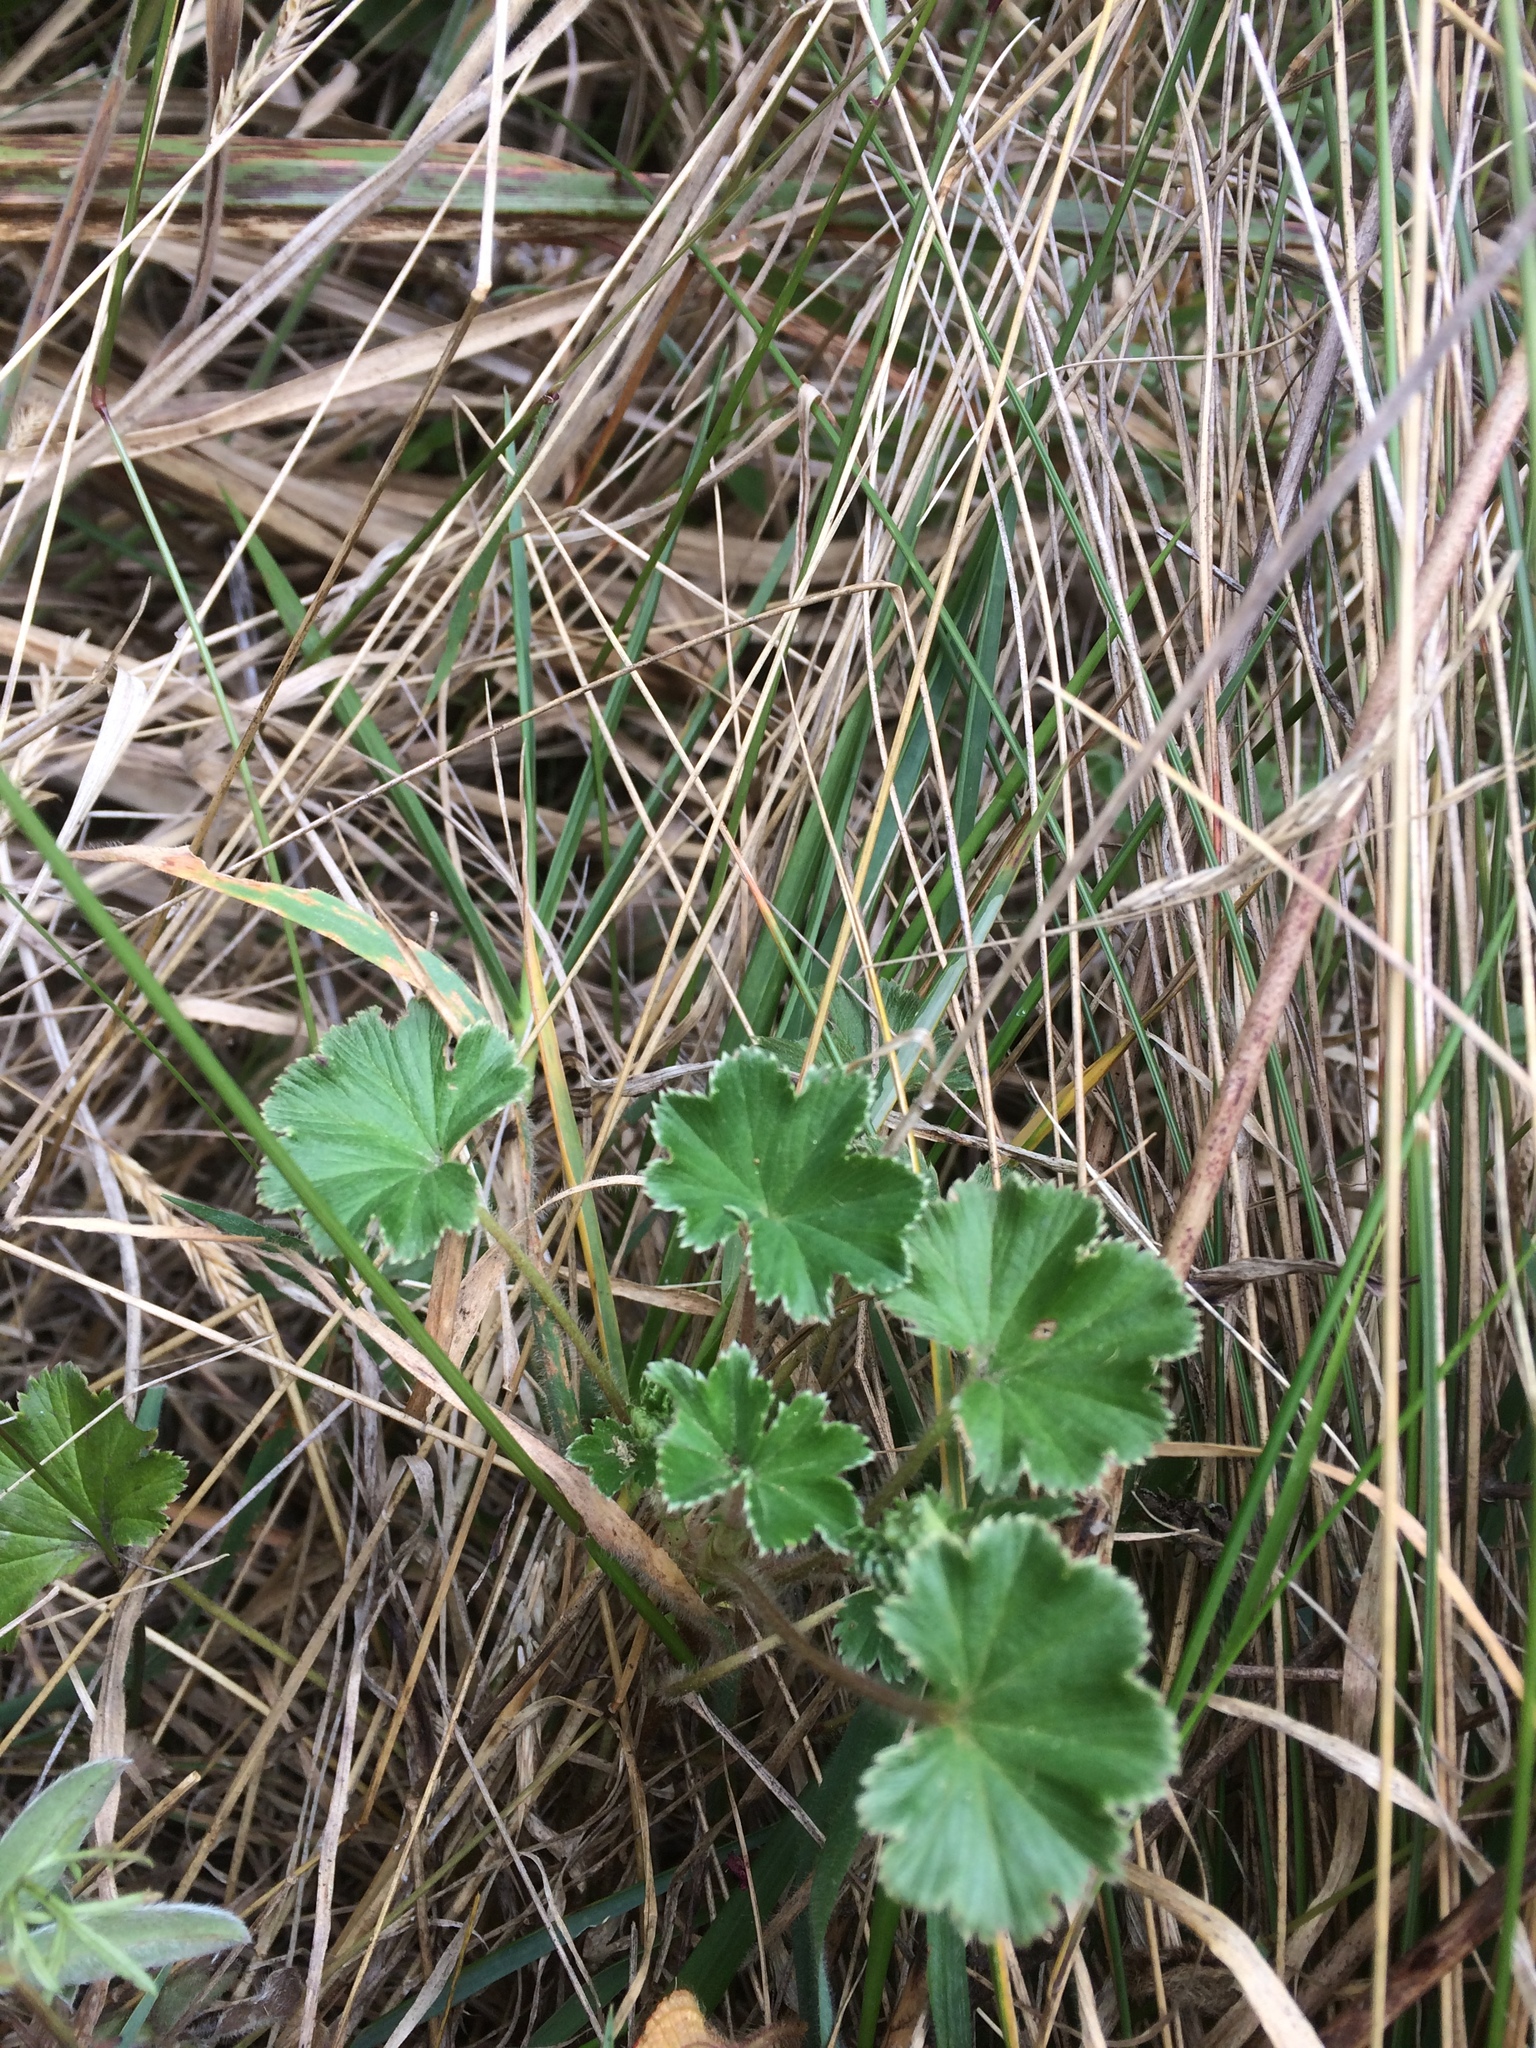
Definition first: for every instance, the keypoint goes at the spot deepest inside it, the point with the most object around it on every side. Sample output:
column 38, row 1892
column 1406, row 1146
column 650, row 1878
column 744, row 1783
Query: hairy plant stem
column 684, row 1682
column 538, row 1280
column 913, row 1459
column 764, row 1609
column 781, row 1367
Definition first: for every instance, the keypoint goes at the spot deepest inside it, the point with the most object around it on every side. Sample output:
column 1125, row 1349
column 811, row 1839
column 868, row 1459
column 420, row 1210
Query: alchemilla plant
column 1031, row 1737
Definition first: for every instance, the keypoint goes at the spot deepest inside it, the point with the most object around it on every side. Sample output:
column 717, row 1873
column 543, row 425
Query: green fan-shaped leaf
column 1064, row 1329
column 375, row 1117
column 1049, row 1741
column 77, row 1480
column 752, row 1151
column 789, row 1468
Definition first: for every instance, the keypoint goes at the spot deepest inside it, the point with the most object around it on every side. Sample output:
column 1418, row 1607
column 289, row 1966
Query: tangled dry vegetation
column 871, row 530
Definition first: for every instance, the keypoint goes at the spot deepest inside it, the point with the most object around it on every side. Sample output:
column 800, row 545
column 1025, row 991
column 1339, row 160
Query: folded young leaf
column 1064, row 1329
column 1022, row 1792
column 77, row 1480
column 374, row 1118
column 881, row 1552
column 620, row 1454
column 752, row 1151
column 861, row 1641
column 789, row 1469
column 614, row 1456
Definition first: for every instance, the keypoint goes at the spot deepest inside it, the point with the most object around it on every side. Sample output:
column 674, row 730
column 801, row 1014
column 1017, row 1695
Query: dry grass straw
column 885, row 416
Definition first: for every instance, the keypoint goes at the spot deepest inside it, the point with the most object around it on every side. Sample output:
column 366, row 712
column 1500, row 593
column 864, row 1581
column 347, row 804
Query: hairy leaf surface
column 374, row 1118
column 44, row 1839
column 1064, row 1329
column 1015, row 1799
column 789, row 1468
column 77, row 1479
column 53, row 1942
column 127, row 1937
column 752, row 1151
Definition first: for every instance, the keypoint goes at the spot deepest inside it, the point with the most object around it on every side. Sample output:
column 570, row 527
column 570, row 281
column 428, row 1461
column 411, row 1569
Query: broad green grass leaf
column 374, row 1118
column 1014, row 1800
column 345, row 924
column 571, row 2021
column 789, row 1469
column 293, row 178
column 949, row 1986
column 1064, row 1329
column 45, row 1836
column 77, row 1479
column 752, row 1151
column 788, row 1856
column 233, row 1224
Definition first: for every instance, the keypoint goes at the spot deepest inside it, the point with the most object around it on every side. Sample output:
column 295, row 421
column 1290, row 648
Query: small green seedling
column 51, row 1942
column 622, row 1455
column 78, row 1481
column 789, row 1467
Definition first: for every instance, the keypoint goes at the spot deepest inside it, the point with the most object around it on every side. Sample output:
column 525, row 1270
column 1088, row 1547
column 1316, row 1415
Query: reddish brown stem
column 1437, row 571
column 1416, row 1974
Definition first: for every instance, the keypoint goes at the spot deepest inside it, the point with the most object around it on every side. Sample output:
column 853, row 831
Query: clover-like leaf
column 1048, row 1741
column 752, row 1151
column 77, row 1480
column 375, row 1117
column 1064, row 1329
column 789, row 1469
